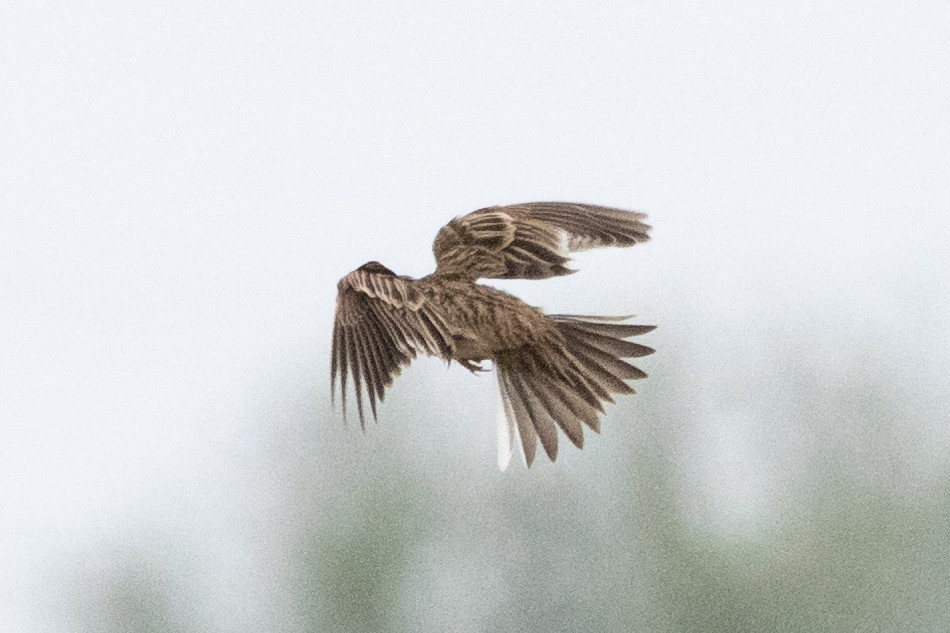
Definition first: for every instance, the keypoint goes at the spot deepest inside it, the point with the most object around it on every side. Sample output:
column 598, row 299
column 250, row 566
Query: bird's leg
column 472, row 367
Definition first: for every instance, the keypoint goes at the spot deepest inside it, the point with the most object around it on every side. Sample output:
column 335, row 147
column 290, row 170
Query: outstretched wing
column 382, row 322
column 531, row 240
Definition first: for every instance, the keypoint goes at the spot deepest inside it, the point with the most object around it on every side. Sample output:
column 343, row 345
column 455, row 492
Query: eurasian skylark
column 553, row 370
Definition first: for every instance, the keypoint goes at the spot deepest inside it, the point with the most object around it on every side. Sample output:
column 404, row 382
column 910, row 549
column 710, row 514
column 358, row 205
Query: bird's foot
column 475, row 368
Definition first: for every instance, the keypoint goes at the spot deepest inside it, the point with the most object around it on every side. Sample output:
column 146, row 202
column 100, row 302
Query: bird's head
column 376, row 268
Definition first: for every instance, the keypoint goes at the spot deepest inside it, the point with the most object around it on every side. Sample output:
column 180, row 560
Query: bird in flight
column 554, row 371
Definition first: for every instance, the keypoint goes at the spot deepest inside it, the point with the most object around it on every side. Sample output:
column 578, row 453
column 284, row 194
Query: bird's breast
column 488, row 321
column 467, row 348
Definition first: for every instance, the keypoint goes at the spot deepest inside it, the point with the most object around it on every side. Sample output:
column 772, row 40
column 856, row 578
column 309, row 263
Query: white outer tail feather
column 505, row 437
column 508, row 436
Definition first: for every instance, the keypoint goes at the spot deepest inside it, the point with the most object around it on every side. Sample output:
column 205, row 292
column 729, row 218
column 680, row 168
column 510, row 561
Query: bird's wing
column 531, row 240
column 382, row 322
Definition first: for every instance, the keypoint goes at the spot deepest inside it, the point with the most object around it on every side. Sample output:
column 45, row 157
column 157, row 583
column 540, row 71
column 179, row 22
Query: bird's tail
column 567, row 386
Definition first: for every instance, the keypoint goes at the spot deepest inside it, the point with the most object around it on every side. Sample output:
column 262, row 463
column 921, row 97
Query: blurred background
column 182, row 184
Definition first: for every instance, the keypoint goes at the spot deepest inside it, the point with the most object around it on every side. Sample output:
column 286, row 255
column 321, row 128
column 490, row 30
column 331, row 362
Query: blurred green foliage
column 366, row 535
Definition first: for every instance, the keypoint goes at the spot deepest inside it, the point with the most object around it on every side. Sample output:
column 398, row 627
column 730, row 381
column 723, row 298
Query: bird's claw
column 475, row 368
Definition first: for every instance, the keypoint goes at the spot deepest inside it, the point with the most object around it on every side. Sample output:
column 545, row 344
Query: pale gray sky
column 181, row 186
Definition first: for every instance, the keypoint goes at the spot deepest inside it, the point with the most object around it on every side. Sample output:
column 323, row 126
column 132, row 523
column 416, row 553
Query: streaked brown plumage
column 554, row 371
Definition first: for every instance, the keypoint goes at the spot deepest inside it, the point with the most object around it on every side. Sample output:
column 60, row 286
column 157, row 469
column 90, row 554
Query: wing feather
column 356, row 369
column 383, row 321
column 371, row 370
column 334, row 359
column 531, row 240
